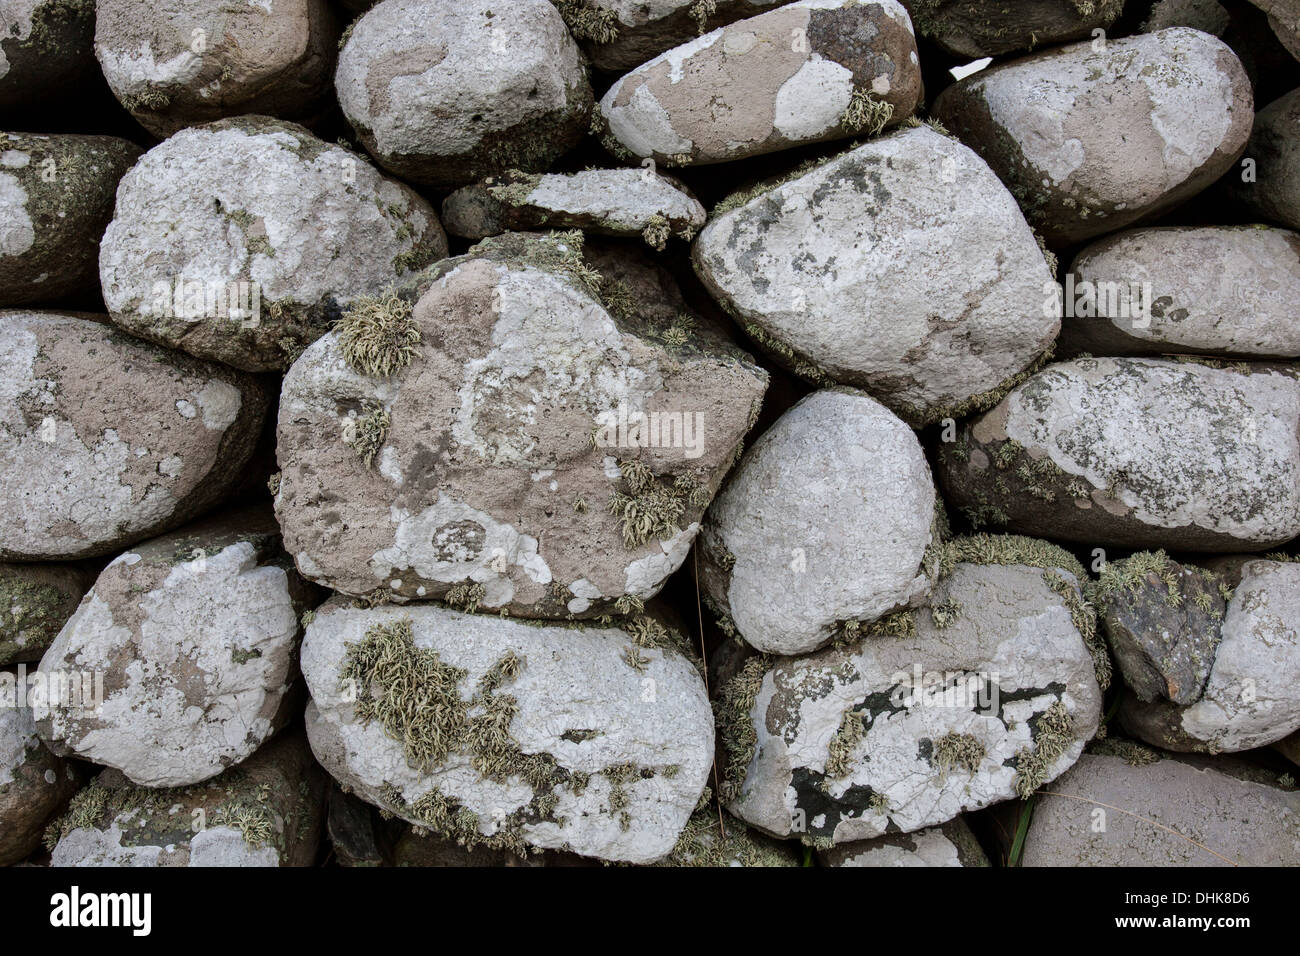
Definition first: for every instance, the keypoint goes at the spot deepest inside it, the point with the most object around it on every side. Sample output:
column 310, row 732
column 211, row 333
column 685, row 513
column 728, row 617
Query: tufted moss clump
column 1131, row 752
column 866, row 114
column 466, row 596
column 731, row 711
column 657, row 232
column 378, row 335
column 954, row 750
column 700, row 11
column 1052, row 737
column 799, row 364
column 848, row 735
column 146, row 100
column 371, row 433
column 650, row 509
column 707, row 842
column 588, row 22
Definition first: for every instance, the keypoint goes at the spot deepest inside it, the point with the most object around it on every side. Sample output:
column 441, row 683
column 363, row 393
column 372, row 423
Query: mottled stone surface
column 903, row 267
column 1139, row 453
column 243, row 240
column 34, row 783
column 107, row 440
column 974, row 29
column 45, row 48
column 35, row 601
column 1271, row 188
column 952, row 844
column 445, row 94
column 799, row 74
column 1090, row 141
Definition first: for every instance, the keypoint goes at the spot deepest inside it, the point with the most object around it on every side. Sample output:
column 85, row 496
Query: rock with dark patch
column 106, row 440
column 188, row 62
column 192, row 639
column 869, row 270
column 508, row 734
column 973, row 29
column 243, row 240
column 826, row 520
column 984, row 694
column 1162, row 620
column 1137, row 453
column 446, row 94
column 548, row 450
column 34, row 783
column 1216, row 290
column 1270, row 188
column 1177, row 814
column 1092, row 140
column 951, row 844
column 807, row 72
column 35, row 601
column 1208, row 16
column 56, row 198
column 354, row 832
column 1251, row 697
column 620, row 34
column 45, row 48
column 265, row 812
column 610, row 202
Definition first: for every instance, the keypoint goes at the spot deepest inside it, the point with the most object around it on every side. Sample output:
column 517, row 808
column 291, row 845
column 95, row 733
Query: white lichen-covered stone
column 1223, row 290
column 447, row 93
column 949, row 845
column 34, row 782
column 1090, row 138
column 809, row 71
column 988, row 693
column 1141, row 453
column 193, row 638
column 826, row 520
column 187, row 62
column 1252, row 695
column 45, row 49
column 578, row 739
column 1270, row 188
column 903, row 267
column 548, row 451
column 106, row 440
column 242, row 241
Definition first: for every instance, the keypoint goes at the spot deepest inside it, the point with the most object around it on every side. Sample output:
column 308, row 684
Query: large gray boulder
column 35, row 602
column 1270, row 188
column 1091, row 138
column 242, row 241
column 865, row 270
column 106, row 440
column 34, row 783
column 45, row 48
column 508, row 734
column 1138, row 453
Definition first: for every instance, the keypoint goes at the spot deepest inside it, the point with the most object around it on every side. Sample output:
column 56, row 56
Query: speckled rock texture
column 1138, row 453
column 195, row 637
column 35, row 602
column 45, row 48
column 188, row 62
column 826, row 520
column 974, row 29
column 106, row 440
column 809, row 71
column 243, row 240
column 903, row 267
column 265, row 812
column 548, row 451
column 1090, row 141
column 988, row 692
column 609, row 202
column 34, row 783
column 1213, row 290
column 591, row 740
column 56, row 198
column 1272, row 189
column 447, row 93
column 952, row 844
column 1251, row 696
column 1178, row 814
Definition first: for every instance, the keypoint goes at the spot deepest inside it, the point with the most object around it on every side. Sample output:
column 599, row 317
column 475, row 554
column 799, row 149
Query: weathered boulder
column 826, row 521
column 1091, row 140
column 446, row 94
column 56, row 198
column 35, row 602
column 1219, row 290
column 871, row 271
column 45, row 48
column 539, row 434
column 973, row 29
column 807, row 72
column 610, row 202
column 34, row 783
column 106, row 440
column 242, row 241
column 1270, row 187
column 1178, row 814
column 952, row 844
column 1139, row 453
column 188, row 62
column 194, row 638
column 985, row 694
column 512, row 735
column 265, row 812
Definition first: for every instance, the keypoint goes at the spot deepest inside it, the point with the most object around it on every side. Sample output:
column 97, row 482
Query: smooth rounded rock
column 1270, row 188
column 34, row 783
column 975, row 30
